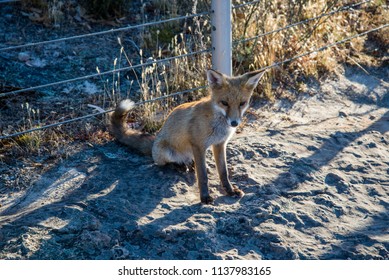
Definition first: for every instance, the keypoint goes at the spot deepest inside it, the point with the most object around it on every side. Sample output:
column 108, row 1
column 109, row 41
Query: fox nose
column 234, row 123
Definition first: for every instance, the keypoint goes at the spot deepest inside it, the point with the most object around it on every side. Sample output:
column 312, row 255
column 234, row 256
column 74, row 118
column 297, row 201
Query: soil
column 315, row 173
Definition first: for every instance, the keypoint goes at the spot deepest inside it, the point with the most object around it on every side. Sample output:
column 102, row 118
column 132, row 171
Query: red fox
column 191, row 128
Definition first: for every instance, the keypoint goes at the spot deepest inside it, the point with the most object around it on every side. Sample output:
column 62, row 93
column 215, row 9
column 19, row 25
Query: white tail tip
column 126, row 105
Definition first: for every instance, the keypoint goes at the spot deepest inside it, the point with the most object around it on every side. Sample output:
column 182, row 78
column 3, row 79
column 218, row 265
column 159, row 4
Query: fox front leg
column 219, row 152
column 201, row 174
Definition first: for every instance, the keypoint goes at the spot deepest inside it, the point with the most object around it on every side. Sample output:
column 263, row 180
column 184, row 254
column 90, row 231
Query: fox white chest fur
column 221, row 131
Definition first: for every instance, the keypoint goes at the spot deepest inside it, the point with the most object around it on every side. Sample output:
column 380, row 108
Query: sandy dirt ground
column 315, row 173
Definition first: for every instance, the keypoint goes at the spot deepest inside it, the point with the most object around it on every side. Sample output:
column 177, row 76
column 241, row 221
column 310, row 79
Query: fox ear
column 253, row 78
column 215, row 78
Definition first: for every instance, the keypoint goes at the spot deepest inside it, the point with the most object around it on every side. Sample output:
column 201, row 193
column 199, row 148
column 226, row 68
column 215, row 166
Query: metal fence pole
column 221, row 36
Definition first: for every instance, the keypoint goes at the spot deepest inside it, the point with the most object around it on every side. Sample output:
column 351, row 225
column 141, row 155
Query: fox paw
column 206, row 199
column 236, row 192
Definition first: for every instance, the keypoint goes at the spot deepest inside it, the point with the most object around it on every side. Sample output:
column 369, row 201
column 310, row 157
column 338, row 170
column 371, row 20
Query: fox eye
column 242, row 103
column 224, row 103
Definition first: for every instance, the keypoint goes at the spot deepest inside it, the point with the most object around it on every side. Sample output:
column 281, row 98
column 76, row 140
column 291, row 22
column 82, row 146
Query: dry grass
column 271, row 15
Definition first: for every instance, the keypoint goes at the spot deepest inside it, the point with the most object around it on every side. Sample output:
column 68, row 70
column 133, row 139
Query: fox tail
column 132, row 138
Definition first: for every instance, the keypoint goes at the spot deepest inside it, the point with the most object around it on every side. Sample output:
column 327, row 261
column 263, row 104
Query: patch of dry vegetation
column 267, row 50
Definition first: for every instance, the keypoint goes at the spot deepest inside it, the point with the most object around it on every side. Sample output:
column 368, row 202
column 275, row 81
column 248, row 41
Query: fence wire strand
column 198, row 88
column 246, row 4
column 127, row 28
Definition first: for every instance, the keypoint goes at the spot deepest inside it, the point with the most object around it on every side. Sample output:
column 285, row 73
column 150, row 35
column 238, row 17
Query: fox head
column 231, row 95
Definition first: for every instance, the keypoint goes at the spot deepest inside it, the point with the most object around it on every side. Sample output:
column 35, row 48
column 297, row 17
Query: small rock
column 332, row 179
column 37, row 63
column 274, row 153
column 165, row 206
column 119, row 252
column 24, row 56
column 312, row 148
column 384, row 140
column 272, row 237
column 342, row 114
column 371, row 145
column 335, row 180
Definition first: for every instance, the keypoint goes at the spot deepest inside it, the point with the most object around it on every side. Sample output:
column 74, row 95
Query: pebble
column 24, row 56
column 342, row 114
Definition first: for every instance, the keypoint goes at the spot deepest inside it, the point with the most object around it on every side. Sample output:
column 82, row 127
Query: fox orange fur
column 192, row 128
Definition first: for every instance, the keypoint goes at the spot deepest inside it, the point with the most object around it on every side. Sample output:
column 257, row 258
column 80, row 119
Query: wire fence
column 164, row 60
column 116, row 30
column 104, row 73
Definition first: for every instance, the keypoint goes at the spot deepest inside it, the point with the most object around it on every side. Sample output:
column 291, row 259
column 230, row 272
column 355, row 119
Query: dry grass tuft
column 271, row 15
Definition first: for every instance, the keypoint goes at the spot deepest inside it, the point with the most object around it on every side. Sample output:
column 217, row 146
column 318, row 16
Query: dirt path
column 315, row 174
